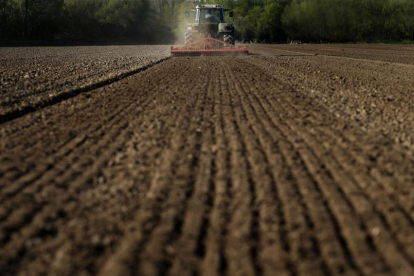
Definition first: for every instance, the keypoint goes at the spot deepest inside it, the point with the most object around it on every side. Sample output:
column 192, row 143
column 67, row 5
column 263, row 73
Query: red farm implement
column 208, row 46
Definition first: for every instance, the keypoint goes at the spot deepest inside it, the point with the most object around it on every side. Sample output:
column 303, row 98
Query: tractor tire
column 189, row 37
column 228, row 38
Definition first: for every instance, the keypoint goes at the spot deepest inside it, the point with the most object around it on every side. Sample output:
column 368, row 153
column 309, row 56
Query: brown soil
column 261, row 165
column 387, row 53
column 32, row 78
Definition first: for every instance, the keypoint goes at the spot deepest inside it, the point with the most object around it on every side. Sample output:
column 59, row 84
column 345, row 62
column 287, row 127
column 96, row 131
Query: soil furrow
column 215, row 261
column 350, row 138
column 268, row 201
column 238, row 251
column 382, row 196
column 377, row 101
column 391, row 218
column 169, row 229
column 316, row 169
column 374, row 53
column 250, row 151
column 296, row 162
column 396, row 189
column 341, row 178
column 382, row 203
column 65, row 151
column 47, row 74
column 100, row 146
column 272, row 116
column 101, row 127
column 147, row 131
column 372, row 225
column 307, row 219
column 9, row 115
column 53, row 173
column 149, row 215
column 189, row 248
column 15, row 248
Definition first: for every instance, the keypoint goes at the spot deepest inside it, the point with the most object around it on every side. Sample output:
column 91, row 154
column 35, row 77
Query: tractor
column 209, row 34
column 210, row 21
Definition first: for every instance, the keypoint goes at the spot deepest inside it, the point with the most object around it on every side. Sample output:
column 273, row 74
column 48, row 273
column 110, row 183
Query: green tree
column 269, row 25
column 9, row 18
column 80, row 13
column 41, row 18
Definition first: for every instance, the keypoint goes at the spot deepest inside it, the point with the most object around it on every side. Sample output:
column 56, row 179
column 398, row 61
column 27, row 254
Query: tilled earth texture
column 294, row 160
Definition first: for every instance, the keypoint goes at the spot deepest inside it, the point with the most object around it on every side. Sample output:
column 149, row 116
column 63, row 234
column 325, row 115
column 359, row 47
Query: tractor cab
column 210, row 15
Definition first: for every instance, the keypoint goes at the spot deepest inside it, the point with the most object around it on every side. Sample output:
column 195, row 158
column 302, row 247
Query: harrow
column 209, row 46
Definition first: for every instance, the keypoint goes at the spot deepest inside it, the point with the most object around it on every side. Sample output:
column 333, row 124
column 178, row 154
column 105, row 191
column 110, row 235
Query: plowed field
column 295, row 160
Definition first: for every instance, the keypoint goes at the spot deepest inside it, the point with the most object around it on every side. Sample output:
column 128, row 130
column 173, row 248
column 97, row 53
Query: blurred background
column 162, row 21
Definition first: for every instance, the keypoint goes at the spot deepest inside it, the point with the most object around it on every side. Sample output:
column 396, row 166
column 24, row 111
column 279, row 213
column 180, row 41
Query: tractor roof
column 210, row 7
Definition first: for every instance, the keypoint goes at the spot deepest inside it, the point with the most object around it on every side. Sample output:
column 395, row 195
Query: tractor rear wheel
column 229, row 38
column 189, row 37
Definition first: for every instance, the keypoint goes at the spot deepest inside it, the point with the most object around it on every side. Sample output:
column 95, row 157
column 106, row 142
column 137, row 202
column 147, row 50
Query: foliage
column 110, row 20
column 349, row 20
column 162, row 21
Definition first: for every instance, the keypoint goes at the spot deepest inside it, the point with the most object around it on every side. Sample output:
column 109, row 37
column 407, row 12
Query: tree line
column 349, row 20
column 162, row 21
column 83, row 20
column 324, row 21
